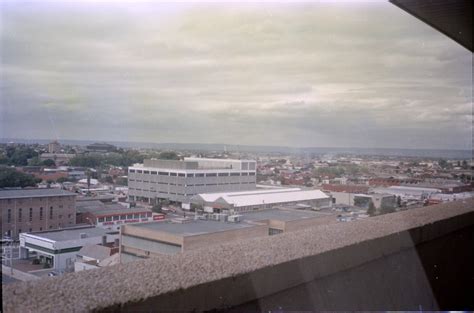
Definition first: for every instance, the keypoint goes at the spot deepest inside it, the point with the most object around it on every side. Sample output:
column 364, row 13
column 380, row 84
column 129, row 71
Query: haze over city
column 320, row 74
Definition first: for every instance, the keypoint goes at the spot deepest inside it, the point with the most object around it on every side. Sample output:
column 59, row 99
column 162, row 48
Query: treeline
column 122, row 158
column 9, row 177
column 17, row 156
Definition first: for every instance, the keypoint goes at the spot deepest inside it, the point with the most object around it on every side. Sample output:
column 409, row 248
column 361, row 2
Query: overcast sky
column 314, row 74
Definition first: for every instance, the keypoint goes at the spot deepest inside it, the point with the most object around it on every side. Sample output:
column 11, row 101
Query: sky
column 313, row 74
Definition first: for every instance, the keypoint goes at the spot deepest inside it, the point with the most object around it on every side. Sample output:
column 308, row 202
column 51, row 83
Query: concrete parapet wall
column 230, row 274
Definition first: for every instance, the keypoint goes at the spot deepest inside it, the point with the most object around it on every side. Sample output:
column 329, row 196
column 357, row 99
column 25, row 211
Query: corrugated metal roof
column 259, row 197
column 211, row 197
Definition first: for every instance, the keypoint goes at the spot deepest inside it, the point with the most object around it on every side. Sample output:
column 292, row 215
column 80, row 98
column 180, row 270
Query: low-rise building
column 380, row 200
column 260, row 199
column 111, row 216
column 171, row 237
column 58, row 158
column 58, row 248
column 181, row 235
column 41, row 209
column 96, row 256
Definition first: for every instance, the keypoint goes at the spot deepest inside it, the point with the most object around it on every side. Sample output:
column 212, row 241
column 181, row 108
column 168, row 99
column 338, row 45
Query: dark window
column 173, row 174
column 163, row 173
column 245, row 174
column 211, row 175
column 131, row 171
column 153, row 172
column 101, row 219
column 123, row 217
column 50, row 212
column 146, row 172
column 223, row 174
column 116, row 217
column 9, row 216
column 129, row 216
column 139, row 171
column 31, row 229
column 181, row 175
column 108, row 218
column 234, row 174
column 199, row 175
column 148, row 214
column 41, row 228
column 136, row 215
column 19, row 216
column 31, row 215
column 41, row 213
column 252, row 174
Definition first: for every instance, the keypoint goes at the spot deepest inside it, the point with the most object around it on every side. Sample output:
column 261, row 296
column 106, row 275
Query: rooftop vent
column 83, row 235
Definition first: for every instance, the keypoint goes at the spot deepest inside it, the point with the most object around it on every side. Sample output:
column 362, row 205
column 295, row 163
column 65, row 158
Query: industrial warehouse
column 265, row 198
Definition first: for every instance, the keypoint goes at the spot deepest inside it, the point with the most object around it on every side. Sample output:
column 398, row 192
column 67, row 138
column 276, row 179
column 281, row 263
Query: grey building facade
column 180, row 180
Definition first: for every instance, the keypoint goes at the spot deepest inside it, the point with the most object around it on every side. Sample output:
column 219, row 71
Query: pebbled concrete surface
column 125, row 283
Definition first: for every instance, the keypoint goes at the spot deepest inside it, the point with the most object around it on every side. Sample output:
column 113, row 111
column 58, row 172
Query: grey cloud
column 287, row 74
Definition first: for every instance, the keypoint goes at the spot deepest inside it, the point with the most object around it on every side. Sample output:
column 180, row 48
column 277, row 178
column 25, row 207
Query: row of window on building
column 9, row 232
column 187, row 185
column 48, row 199
column 124, row 217
column 191, row 174
column 20, row 214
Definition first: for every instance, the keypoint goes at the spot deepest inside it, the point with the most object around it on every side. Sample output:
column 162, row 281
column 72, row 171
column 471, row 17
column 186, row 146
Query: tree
column 19, row 155
column 157, row 208
column 122, row 181
column 93, row 161
column 371, row 209
column 9, row 177
column 89, row 174
column 49, row 162
column 35, row 161
column 443, row 163
column 168, row 155
column 62, row 180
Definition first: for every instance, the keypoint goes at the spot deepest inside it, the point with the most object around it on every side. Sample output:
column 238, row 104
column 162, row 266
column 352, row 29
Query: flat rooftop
column 283, row 215
column 34, row 193
column 193, row 227
column 70, row 233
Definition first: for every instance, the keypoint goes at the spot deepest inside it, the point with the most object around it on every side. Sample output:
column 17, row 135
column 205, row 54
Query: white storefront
column 59, row 248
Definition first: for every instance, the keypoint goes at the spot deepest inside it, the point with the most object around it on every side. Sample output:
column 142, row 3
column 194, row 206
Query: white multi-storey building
column 180, row 180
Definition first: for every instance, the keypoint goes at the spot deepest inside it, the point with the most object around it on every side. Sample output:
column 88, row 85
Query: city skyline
column 297, row 75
